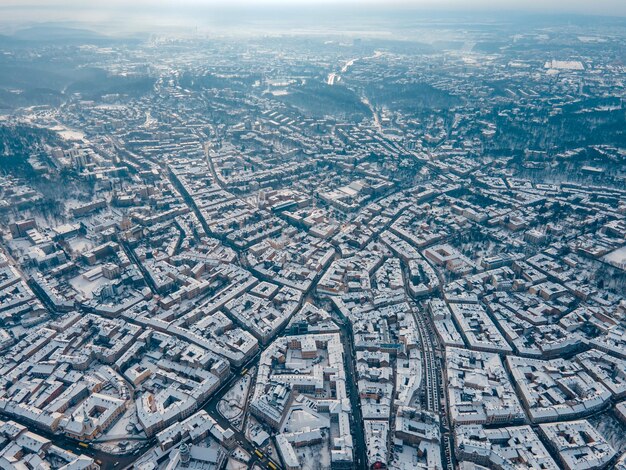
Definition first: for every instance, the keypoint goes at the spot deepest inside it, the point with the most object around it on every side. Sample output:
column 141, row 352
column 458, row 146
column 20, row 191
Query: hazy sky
column 141, row 14
column 611, row 7
column 467, row 4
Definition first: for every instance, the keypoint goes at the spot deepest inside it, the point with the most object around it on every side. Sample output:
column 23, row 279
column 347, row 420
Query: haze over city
column 147, row 16
column 312, row 235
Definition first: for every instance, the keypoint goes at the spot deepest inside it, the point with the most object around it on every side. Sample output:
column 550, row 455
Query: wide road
column 360, row 450
column 211, row 408
column 435, row 384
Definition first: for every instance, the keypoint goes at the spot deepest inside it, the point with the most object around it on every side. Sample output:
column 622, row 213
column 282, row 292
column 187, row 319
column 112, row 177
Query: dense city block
column 337, row 250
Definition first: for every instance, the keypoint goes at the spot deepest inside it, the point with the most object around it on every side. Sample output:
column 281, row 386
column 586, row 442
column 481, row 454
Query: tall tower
column 185, row 455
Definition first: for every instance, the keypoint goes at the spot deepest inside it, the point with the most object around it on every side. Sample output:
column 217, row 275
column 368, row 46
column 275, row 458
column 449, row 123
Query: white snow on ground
column 86, row 287
column 315, row 457
column 231, row 405
column 253, row 427
column 119, row 432
column 564, row 65
column 239, row 390
column 588, row 39
column 80, row 244
column 240, row 455
column 68, row 134
column 229, row 409
column 616, row 257
column 404, row 459
column 126, row 425
column 233, row 464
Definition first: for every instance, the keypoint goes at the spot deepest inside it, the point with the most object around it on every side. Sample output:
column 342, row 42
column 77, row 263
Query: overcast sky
column 175, row 13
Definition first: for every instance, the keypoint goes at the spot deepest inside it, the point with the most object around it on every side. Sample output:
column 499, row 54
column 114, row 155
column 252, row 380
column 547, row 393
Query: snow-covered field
column 616, row 257
column 85, row 287
column 231, row 405
column 69, row 134
column 564, row 65
column 315, row 457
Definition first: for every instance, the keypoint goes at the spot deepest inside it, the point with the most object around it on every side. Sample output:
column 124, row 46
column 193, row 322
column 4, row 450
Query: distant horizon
column 600, row 7
column 145, row 17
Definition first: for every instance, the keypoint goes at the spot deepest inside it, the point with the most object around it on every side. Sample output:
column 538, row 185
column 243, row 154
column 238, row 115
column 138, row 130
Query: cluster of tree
column 318, row 100
column 18, row 143
column 410, row 97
